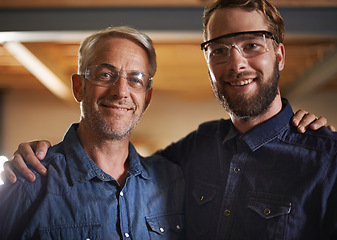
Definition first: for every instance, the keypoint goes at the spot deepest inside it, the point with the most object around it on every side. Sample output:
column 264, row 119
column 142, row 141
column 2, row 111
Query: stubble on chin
column 244, row 106
column 107, row 127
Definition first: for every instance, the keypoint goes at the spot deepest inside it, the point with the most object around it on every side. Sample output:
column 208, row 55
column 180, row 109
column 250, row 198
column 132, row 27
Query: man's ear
column 148, row 99
column 77, row 87
column 281, row 55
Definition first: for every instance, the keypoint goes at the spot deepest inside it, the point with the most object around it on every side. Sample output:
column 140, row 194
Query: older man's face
column 115, row 110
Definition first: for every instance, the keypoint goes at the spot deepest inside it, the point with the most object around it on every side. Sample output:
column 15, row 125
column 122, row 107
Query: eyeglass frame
column 203, row 48
column 147, row 88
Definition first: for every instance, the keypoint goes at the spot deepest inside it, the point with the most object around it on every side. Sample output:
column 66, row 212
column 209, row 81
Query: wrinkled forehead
column 121, row 53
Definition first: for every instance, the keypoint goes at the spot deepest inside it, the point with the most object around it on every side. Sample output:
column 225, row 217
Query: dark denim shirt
column 269, row 183
column 77, row 200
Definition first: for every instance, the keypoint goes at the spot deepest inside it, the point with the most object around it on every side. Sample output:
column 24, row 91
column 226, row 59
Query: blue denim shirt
column 269, row 183
column 77, row 200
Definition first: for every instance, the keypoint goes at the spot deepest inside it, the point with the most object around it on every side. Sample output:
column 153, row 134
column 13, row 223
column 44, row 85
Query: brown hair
column 275, row 21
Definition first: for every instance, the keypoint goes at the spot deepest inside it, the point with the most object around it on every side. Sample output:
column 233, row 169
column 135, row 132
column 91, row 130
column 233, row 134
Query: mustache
column 245, row 74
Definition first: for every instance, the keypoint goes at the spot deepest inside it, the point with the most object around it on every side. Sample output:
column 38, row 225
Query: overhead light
column 39, row 70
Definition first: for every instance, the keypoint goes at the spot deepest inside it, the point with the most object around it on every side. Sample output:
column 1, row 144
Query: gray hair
column 87, row 48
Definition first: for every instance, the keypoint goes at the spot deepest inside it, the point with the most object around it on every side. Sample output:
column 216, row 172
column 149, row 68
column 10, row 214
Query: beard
column 101, row 124
column 245, row 107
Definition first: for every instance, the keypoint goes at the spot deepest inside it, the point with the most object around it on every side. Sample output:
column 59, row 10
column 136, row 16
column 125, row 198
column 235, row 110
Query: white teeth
column 121, row 109
column 117, row 108
column 241, row 83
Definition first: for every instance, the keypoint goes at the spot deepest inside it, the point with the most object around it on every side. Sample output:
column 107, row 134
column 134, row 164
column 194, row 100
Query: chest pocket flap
column 164, row 224
column 270, row 209
column 202, row 194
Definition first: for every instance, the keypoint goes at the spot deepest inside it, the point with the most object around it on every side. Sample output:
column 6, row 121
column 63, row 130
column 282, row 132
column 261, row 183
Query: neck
column 109, row 155
column 243, row 125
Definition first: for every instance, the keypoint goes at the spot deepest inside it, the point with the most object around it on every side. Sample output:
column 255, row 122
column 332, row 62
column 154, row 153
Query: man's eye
column 106, row 76
column 103, row 75
column 252, row 46
column 219, row 50
column 136, row 80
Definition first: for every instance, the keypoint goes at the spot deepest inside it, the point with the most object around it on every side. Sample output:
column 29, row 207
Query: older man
column 98, row 187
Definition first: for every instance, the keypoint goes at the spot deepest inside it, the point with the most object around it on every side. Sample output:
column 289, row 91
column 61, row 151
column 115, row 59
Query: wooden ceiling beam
column 40, row 70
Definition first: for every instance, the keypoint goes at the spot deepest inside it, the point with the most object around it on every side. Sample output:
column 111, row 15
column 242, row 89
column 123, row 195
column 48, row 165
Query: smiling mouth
column 117, row 107
column 241, row 83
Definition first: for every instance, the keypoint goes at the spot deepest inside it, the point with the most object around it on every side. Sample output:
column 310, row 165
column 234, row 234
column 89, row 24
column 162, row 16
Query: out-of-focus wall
column 30, row 115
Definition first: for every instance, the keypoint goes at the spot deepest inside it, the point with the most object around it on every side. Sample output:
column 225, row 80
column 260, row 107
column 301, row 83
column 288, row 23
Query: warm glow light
column 39, row 70
column 3, row 159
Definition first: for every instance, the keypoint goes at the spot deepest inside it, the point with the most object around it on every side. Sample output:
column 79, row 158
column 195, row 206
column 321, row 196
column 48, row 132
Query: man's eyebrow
column 107, row 65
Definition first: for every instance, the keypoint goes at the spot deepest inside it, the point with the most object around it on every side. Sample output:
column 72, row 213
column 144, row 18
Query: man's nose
column 236, row 60
column 120, row 87
column 236, row 47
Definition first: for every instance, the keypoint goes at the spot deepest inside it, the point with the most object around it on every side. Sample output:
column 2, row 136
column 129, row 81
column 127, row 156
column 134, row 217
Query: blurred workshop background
column 39, row 40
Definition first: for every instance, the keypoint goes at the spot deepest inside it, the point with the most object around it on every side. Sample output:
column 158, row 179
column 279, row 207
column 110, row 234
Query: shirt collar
column 82, row 168
column 267, row 131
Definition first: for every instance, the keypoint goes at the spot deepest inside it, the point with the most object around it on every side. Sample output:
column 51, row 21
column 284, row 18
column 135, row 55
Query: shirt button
column 122, row 194
column 126, row 235
column 227, row 212
column 178, row 227
column 161, row 230
column 266, row 211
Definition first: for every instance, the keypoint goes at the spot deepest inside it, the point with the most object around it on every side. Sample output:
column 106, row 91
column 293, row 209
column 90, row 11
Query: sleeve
column 14, row 214
column 179, row 152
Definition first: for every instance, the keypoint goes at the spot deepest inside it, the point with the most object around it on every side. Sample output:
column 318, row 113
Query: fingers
column 318, row 123
column 21, row 166
column 41, row 148
column 8, row 174
column 298, row 117
column 26, row 151
column 303, row 119
column 332, row 128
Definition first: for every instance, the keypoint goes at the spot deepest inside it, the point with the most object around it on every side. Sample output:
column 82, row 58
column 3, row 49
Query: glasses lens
column 106, row 75
column 101, row 74
column 247, row 44
column 137, row 80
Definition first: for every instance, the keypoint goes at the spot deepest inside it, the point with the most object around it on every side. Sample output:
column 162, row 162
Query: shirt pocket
column 268, row 216
column 200, row 207
column 76, row 231
column 169, row 226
